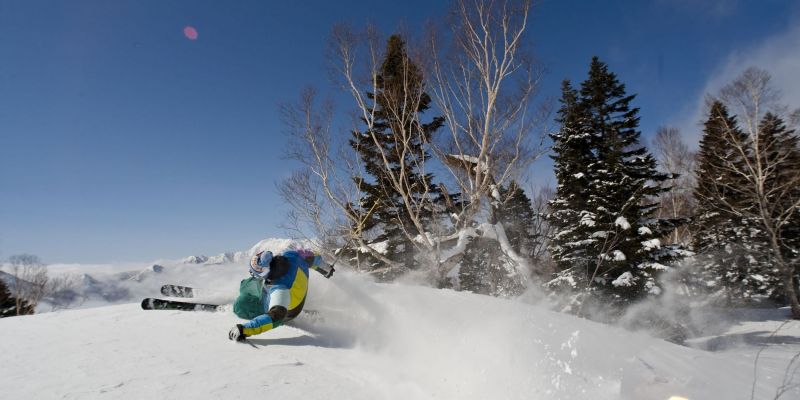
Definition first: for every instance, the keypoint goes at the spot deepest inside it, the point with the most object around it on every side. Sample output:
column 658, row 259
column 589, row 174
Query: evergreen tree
column 485, row 267
column 715, row 179
column 573, row 159
column 387, row 219
column 617, row 235
column 517, row 216
column 780, row 151
column 731, row 249
column 8, row 303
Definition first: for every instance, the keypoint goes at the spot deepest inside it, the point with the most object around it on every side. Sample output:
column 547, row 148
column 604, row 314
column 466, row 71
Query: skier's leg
column 277, row 303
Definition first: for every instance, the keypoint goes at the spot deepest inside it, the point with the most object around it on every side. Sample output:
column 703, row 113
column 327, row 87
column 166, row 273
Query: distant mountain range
column 275, row 245
column 224, row 258
column 130, row 285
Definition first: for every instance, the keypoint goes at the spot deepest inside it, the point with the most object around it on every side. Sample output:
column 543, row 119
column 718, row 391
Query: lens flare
column 190, row 33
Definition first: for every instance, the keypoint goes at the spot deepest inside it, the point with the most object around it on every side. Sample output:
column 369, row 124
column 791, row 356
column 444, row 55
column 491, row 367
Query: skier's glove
column 326, row 273
column 236, row 333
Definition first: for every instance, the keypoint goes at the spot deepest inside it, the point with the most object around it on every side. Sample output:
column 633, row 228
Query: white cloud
column 779, row 55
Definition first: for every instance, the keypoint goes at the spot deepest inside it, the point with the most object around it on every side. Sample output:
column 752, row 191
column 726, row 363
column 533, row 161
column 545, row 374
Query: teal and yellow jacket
column 291, row 276
column 296, row 278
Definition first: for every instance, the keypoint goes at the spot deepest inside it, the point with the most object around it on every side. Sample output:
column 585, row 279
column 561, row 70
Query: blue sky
column 125, row 141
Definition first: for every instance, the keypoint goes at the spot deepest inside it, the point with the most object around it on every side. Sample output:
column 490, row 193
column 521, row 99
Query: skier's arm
column 326, row 273
column 315, row 262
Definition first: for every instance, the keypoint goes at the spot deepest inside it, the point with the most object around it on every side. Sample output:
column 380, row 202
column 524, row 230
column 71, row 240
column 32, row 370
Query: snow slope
column 375, row 341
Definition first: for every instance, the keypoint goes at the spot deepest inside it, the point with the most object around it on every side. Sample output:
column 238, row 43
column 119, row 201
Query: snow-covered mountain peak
column 276, row 245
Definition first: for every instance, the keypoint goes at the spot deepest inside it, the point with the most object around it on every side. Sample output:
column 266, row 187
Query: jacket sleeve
column 313, row 260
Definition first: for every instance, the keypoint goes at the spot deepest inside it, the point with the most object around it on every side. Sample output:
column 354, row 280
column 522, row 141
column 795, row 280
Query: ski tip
column 177, row 291
column 147, row 304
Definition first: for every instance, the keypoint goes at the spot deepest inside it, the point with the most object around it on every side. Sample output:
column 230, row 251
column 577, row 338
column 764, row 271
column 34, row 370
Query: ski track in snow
column 376, row 341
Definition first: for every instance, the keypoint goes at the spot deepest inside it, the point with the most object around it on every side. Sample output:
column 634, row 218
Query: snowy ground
column 380, row 341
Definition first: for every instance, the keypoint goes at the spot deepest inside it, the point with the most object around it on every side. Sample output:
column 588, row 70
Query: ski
column 178, row 291
column 161, row 304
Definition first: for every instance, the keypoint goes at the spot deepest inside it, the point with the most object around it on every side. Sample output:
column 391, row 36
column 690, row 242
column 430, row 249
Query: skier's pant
column 276, row 305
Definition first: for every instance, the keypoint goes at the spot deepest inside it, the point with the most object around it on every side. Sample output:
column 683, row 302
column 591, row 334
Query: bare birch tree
column 484, row 83
column 30, row 279
column 61, row 291
column 404, row 170
column 770, row 174
column 676, row 159
column 542, row 231
column 322, row 193
column 483, row 86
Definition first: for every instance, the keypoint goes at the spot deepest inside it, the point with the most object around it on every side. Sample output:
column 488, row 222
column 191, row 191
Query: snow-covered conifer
column 729, row 246
column 735, row 259
column 8, row 303
column 608, row 240
column 517, row 217
column 573, row 157
column 486, row 268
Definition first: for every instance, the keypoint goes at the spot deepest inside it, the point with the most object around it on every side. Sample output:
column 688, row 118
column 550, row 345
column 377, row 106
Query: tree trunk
column 788, row 275
column 791, row 293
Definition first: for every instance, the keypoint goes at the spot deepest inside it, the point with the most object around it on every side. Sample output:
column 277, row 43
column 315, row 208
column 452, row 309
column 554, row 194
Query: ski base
column 177, row 291
column 161, row 304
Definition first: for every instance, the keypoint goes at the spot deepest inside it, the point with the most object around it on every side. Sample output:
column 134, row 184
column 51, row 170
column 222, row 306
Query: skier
column 283, row 296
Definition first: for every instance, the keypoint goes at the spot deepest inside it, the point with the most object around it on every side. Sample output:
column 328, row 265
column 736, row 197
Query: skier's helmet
column 260, row 262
